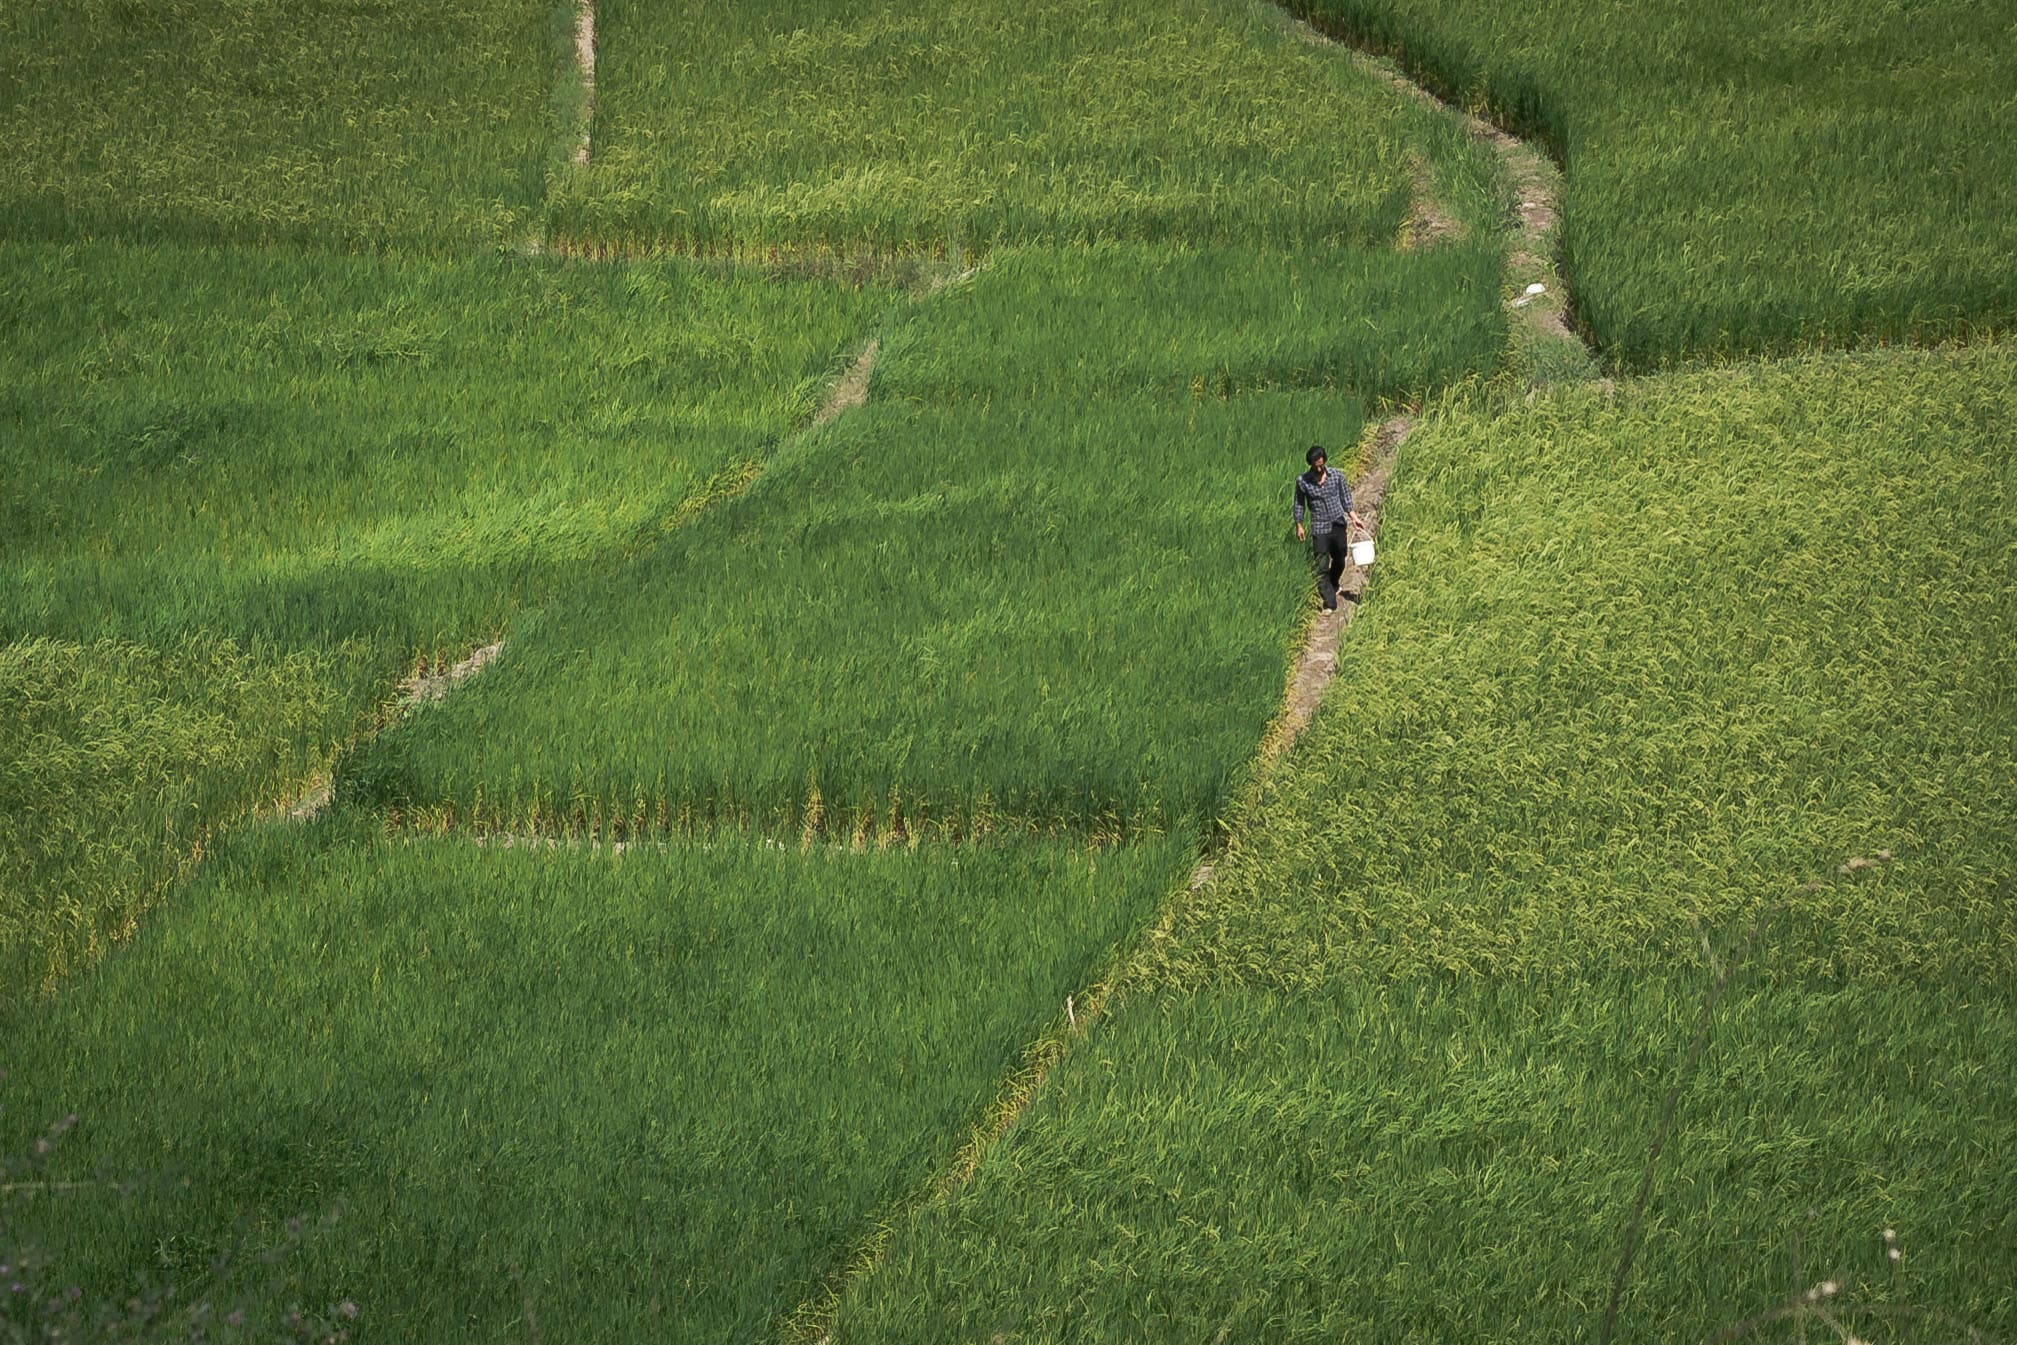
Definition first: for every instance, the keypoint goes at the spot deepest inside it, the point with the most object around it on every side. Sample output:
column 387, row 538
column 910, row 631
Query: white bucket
column 1362, row 551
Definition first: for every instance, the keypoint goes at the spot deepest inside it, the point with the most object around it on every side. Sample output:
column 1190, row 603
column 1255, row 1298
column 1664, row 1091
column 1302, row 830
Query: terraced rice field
column 1744, row 180
column 1085, row 605
column 1399, row 1069
column 842, row 125
column 323, row 124
column 296, row 446
column 861, row 895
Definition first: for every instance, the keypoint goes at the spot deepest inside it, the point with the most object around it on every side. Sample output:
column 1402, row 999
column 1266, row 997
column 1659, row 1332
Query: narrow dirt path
column 852, row 389
column 1319, row 660
column 584, row 59
column 1541, row 315
column 421, row 687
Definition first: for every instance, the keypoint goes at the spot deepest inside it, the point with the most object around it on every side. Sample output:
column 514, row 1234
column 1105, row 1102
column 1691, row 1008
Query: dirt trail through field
column 422, row 687
column 852, row 389
column 1319, row 659
column 1532, row 176
column 584, row 57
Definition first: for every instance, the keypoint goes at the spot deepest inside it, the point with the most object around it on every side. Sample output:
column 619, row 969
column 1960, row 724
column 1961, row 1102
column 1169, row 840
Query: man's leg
column 1329, row 558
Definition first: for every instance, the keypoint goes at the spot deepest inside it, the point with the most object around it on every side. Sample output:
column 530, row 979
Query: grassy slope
column 115, row 758
column 1652, row 659
column 325, row 122
column 1743, row 178
column 345, row 502
column 1043, row 574
column 669, row 1087
column 1446, row 1160
column 303, row 448
column 1631, row 663
column 331, row 463
column 862, row 122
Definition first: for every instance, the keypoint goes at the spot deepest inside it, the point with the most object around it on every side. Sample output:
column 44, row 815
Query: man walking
column 1329, row 501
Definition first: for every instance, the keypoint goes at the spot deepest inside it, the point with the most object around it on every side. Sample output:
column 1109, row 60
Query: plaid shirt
column 1329, row 501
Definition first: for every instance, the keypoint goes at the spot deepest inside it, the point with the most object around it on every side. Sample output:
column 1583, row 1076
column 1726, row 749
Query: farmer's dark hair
column 1316, row 451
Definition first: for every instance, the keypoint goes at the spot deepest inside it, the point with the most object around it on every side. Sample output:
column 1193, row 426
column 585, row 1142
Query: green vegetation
column 1457, row 1159
column 1185, row 325
column 335, row 464
column 1636, row 669
column 115, row 759
column 665, row 1088
column 322, row 122
column 301, row 448
column 824, row 762
column 1746, row 178
column 1041, row 580
column 970, row 124
column 1643, row 661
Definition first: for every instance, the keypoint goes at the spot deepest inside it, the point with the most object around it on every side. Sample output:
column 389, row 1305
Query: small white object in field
column 1537, row 288
column 1362, row 551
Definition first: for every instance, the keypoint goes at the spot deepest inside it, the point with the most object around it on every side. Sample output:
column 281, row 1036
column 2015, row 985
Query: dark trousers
column 1331, row 552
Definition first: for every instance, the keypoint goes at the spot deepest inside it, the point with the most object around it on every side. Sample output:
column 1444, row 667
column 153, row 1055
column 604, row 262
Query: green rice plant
column 299, row 449
column 318, row 122
column 939, row 615
column 1190, row 323
column 1457, row 1158
column 968, row 125
column 117, row 760
column 1743, row 179
column 1635, row 660
column 1637, row 667
column 1042, row 580
column 649, row 1093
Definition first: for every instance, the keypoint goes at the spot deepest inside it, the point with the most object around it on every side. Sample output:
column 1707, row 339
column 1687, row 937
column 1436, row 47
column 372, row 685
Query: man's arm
column 1298, row 511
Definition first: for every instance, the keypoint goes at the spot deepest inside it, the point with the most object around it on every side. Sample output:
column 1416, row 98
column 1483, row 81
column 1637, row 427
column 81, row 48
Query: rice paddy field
column 117, row 758
column 1704, row 680
column 964, row 126
column 327, row 124
column 796, row 932
column 1085, row 601
column 1744, row 179
column 661, row 1089
column 293, row 446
